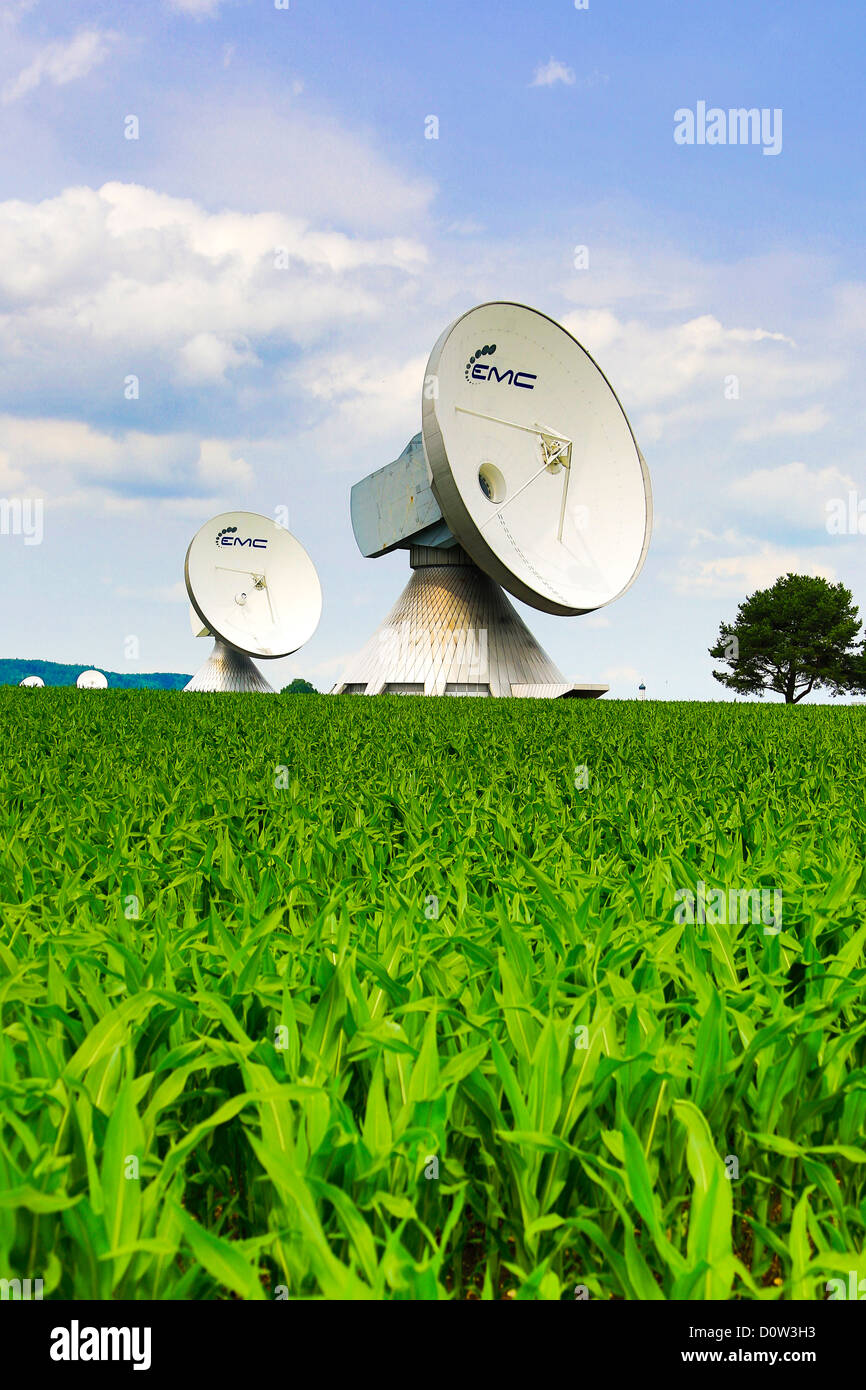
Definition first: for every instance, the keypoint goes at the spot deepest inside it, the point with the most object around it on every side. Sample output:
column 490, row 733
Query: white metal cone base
column 227, row 669
column 453, row 632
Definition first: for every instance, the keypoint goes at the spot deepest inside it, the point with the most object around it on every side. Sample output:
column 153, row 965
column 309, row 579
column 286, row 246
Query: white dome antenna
column 92, row 680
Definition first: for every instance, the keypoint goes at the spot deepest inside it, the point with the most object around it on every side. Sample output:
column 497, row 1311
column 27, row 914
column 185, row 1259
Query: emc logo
column 227, row 537
column 476, row 370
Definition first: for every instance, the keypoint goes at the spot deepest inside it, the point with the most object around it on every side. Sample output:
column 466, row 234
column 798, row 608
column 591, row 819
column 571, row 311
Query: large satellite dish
column 254, row 588
column 32, row 682
column 526, row 475
column 533, row 461
column 92, row 680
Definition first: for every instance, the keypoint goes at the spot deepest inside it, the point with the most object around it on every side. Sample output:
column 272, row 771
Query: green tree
column 793, row 638
column 299, row 687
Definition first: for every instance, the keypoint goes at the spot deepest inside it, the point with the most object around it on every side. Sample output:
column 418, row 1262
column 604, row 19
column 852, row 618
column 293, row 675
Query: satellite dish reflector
column 253, row 586
column 533, row 462
column 92, row 680
column 32, row 682
column 526, row 477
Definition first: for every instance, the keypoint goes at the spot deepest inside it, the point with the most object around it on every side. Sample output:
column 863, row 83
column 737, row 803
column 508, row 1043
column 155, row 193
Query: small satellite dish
column 533, row 462
column 254, row 588
column 32, row 683
column 92, row 680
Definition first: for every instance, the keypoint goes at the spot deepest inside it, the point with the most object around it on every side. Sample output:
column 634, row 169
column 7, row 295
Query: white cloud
column 685, row 375
column 208, row 356
column 91, row 270
column 219, row 466
column 365, row 398
column 71, row 463
column 218, row 314
column 808, row 421
column 548, row 74
column 60, row 63
column 791, row 493
column 733, row 576
column 13, row 482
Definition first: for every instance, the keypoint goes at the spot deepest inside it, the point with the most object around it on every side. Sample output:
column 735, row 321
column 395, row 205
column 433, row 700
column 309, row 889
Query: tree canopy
column 299, row 687
column 798, row 636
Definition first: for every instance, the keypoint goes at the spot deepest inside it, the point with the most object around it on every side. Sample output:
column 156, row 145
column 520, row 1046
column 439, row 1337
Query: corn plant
column 399, row 999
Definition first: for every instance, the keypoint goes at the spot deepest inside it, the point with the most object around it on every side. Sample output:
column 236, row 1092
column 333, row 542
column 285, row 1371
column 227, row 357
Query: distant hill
column 13, row 671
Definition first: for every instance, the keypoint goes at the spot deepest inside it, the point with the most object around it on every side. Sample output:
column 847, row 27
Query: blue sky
column 262, row 387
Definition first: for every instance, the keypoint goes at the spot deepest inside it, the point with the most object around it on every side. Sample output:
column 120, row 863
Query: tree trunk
column 790, row 686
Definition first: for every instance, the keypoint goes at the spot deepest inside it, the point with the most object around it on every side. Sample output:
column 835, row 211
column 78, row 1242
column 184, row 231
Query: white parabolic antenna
column 533, row 461
column 526, row 475
column 254, row 588
column 92, row 680
column 32, row 682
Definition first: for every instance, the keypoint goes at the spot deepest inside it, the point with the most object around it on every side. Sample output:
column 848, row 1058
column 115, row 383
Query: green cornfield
column 393, row 999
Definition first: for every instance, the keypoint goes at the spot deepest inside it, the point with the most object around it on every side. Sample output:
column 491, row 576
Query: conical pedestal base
column 228, row 669
column 453, row 632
